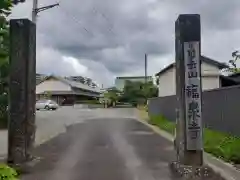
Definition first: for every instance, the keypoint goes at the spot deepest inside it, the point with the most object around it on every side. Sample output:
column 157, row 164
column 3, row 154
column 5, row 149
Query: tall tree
column 112, row 95
column 233, row 62
column 157, row 80
column 137, row 92
column 5, row 7
column 5, row 10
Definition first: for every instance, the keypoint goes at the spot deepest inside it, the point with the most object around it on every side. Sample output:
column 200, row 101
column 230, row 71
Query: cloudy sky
column 103, row 39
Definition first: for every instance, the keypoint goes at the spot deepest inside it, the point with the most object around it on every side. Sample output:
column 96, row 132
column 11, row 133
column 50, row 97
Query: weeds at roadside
column 221, row 145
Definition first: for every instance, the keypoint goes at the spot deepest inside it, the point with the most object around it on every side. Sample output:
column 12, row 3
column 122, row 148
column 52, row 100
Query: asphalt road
column 50, row 124
column 103, row 144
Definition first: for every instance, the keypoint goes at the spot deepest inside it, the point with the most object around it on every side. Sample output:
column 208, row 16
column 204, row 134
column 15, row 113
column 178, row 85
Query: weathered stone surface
column 21, row 90
column 187, row 29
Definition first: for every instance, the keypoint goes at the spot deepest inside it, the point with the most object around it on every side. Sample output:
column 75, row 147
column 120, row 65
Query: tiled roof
column 203, row 59
column 74, row 84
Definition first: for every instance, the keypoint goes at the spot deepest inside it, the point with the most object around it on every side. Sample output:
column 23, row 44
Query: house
column 39, row 78
column 120, row 81
column 235, row 77
column 63, row 90
column 231, row 80
column 81, row 79
column 211, row 76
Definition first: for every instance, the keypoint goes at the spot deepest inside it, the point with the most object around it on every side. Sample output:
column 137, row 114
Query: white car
column 46, row 104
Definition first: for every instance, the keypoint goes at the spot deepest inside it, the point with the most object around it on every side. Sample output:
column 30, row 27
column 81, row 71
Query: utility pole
column 145, row 85
column 36, row 9
column 145, row 66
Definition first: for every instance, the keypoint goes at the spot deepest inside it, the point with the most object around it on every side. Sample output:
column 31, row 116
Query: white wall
column 52, row 85
column 210, row 80
column 167, row 83
column 208, row 69
column 210, row 77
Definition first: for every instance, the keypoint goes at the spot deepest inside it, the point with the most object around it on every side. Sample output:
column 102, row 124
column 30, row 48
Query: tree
column 17, row 1
column 157, row 80
column 5, row 10
column 112, row 95
column 233, row 62
column 138, row 92
column 5, row 7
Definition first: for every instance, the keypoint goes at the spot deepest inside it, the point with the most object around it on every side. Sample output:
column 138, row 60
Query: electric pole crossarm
column 46, row 8
column 36, row 10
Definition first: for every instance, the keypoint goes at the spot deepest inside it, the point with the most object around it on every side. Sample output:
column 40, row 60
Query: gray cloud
column 114, row 35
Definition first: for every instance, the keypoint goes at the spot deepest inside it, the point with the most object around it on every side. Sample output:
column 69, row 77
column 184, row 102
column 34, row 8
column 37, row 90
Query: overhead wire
column 76, row 20
column 110, row 26
column 96, row 11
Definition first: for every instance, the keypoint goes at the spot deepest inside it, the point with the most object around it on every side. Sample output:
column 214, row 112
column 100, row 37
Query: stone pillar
column 189, row 90
column 189, row 139
column 22, row 85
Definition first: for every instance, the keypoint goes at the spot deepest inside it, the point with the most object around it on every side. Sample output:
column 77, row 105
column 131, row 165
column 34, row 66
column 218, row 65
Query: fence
column 221, row 109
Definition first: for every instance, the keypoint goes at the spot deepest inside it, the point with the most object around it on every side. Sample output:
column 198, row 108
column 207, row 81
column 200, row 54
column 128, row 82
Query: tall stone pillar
column 22, row 85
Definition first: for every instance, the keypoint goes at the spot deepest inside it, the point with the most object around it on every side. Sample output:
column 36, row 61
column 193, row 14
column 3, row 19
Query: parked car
column 46, row 104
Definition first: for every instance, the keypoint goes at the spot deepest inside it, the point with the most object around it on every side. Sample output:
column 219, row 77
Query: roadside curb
column 42, row 139
column 226, row 170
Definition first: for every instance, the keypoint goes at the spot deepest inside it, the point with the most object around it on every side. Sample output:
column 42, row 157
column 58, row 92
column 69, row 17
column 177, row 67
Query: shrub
column 219, row 144
column 7, row 173
column 93, row 101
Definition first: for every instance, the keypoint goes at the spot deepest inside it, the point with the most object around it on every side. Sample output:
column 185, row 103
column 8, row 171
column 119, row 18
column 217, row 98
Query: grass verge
column 221, row 145
column 143, row 112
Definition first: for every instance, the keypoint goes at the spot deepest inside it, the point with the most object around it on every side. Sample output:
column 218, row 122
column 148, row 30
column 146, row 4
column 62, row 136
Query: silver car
column 46, row 104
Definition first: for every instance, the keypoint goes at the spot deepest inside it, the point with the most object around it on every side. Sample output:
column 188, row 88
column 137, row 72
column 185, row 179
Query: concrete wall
column 52, row 85
column 210, row 80
column 221, row 109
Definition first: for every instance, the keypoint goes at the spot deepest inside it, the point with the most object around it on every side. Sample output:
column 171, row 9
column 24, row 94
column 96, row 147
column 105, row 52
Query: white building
column 39, row 77
column 60, row 89
column 210, row 76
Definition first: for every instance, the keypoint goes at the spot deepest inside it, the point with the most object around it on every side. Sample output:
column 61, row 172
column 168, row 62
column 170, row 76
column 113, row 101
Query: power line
column 106, row 19
column 77, row 21
column 110, row 29
column 96, row 11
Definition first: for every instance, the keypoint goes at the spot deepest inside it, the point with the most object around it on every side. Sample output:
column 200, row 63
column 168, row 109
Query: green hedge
column 88, row 102
column 7, row 173
column 221, row 145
